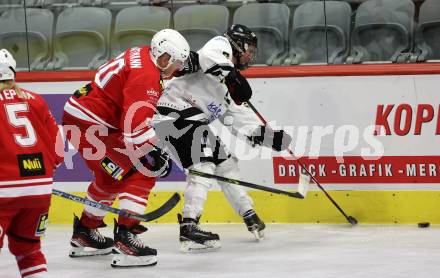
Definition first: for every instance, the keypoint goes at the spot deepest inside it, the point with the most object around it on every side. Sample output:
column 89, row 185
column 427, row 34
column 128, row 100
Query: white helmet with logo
column 7, row 65
column 169, row 41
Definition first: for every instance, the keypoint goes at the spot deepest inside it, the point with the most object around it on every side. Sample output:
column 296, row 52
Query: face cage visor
column 242, row 52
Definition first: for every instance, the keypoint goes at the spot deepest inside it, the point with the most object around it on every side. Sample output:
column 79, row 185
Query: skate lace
column 135, row 241
column 97, row 235
column 199, row 230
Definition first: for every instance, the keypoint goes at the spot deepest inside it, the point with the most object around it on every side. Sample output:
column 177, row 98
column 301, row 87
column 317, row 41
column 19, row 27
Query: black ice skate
column 129, row 250
column 254, row 224
column 88, row 242
column 193, row 239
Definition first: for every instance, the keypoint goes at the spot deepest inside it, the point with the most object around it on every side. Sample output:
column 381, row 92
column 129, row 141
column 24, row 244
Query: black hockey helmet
column 241, row 38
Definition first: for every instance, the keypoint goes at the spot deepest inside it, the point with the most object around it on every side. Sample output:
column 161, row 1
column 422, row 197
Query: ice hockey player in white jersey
column 216, row 90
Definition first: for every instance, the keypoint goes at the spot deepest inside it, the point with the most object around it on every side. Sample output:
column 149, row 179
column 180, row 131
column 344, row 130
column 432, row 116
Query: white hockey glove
column 278, row 140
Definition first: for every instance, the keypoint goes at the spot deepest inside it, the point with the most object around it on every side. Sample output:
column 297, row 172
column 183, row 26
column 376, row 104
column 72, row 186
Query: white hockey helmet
column 7, row 65
column 172, row 42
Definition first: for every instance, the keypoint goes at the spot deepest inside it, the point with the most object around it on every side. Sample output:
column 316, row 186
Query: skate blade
column 194, row 247
column 78, row 252
column 122, row 260
column 259, row 235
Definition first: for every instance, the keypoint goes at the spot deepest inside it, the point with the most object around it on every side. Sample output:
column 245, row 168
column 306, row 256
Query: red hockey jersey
column 122, row 96
column 27, row 150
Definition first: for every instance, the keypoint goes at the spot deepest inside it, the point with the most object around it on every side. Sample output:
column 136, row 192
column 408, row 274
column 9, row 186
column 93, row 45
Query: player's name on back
column 10, row 94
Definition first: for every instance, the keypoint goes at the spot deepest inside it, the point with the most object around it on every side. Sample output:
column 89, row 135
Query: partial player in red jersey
column 28, row 159
column 103, row 120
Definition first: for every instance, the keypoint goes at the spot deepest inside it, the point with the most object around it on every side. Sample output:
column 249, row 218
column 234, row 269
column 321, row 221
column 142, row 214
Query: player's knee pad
column 235, row 194
column 197, row 190
column 228, row 168
column 204, row 167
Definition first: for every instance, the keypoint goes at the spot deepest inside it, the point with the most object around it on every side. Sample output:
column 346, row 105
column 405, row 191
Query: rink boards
column 368, row 206
column 385, row 174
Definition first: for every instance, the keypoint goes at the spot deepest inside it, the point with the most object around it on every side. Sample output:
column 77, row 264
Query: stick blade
column 353, row 221
column 166, row 207
column 303, row 184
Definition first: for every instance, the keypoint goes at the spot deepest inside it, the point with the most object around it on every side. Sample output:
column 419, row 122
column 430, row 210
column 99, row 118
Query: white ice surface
column 307, row 251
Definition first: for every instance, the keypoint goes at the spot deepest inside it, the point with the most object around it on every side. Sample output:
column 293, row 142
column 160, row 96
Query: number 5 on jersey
column 12, row 111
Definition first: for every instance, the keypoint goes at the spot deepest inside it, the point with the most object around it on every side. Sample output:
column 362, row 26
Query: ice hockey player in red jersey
column 112, row 113
column 28, row 159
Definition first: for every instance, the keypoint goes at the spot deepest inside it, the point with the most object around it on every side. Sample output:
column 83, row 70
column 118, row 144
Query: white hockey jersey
column 206, row 91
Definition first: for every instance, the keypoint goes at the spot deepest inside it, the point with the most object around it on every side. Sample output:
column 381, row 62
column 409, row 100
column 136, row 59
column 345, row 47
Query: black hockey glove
column 275, row 139
column 191, row 64
column 159, row 160
column 238, row 87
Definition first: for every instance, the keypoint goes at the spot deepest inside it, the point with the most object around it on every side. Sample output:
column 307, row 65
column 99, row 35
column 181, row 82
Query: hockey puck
column 423, row 224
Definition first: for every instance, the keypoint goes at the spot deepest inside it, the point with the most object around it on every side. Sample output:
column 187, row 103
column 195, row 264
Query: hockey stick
column 300, row 194
column 349, row 218
column 302, row 186
column 166, row 207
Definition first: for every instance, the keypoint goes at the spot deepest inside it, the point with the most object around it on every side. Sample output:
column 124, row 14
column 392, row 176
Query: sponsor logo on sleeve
column 83, row 91
column 112, row 168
